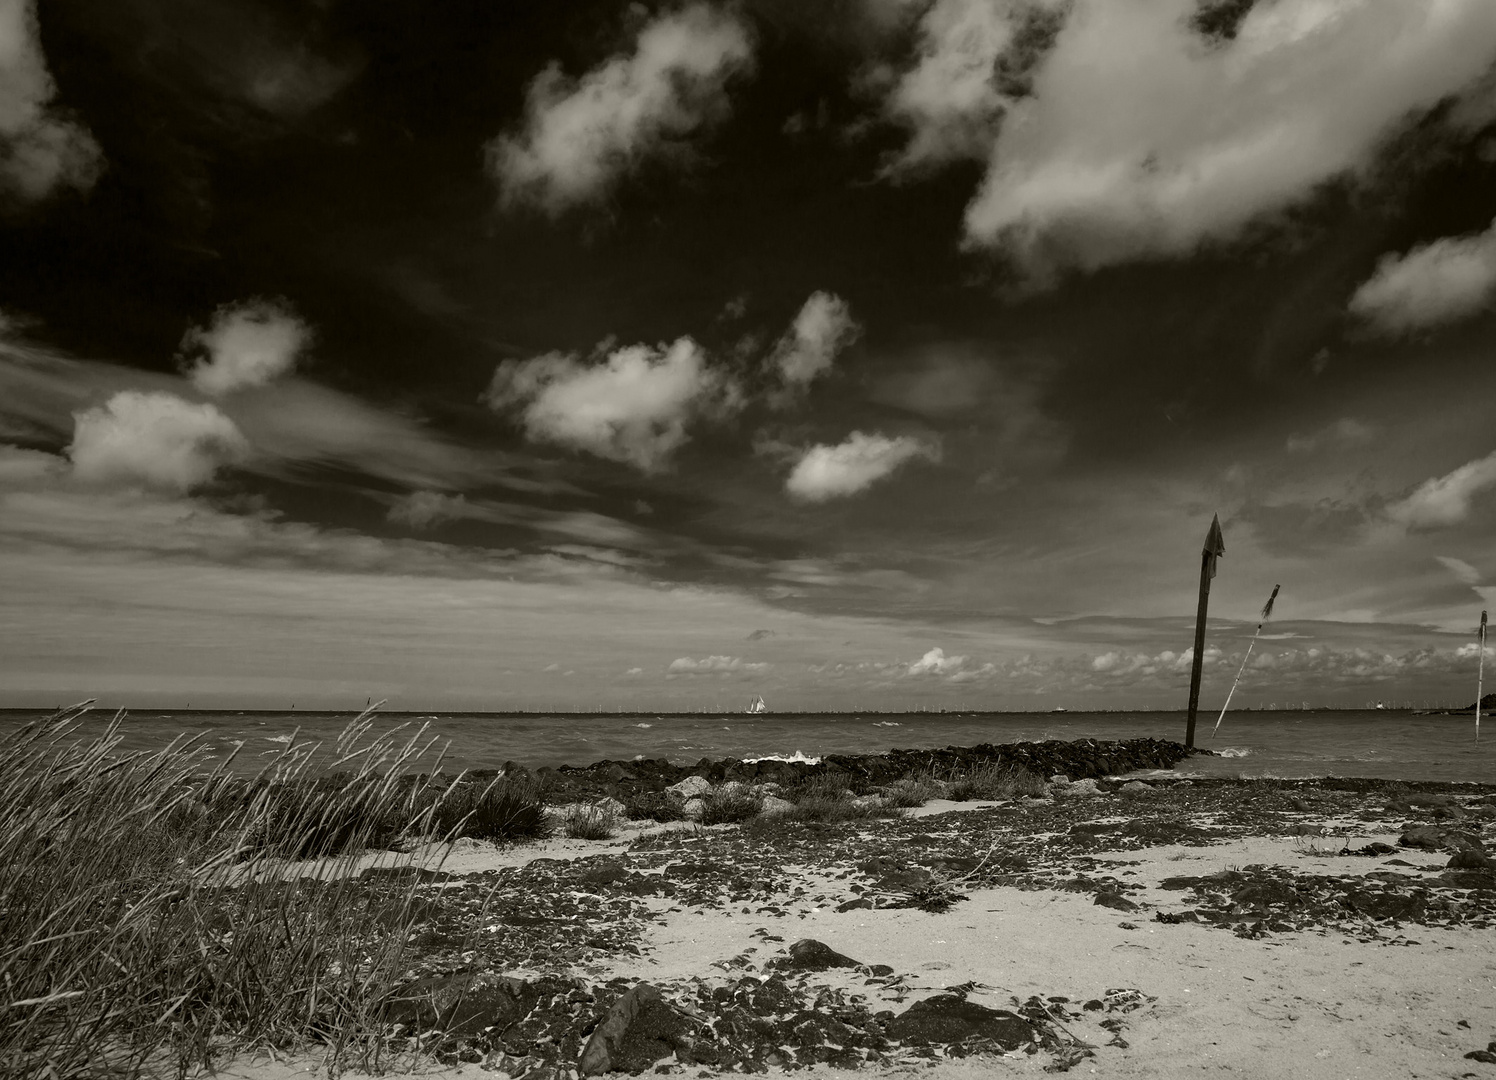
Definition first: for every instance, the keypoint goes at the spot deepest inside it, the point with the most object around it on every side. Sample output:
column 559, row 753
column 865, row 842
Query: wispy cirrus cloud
column 1442, row 501
column 1431, row 285
column 581, row 136
column 42, row 148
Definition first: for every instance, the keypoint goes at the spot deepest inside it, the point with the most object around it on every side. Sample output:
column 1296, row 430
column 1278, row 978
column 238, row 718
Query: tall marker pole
column 1215, row 547
column 1480, row 677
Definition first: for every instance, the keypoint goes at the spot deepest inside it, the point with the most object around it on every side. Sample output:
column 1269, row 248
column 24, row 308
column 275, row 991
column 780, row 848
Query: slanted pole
column 1480, row 675
column 1215, row 546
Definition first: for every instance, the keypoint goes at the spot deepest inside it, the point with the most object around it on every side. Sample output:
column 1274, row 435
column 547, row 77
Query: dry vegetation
column 143, row 916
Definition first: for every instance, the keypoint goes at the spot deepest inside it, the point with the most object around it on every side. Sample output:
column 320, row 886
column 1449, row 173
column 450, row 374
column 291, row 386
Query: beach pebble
column 951, row 1019
column 1113, row 899
column 808, row 954
column 1087, row 786
column 690, row 787
column 1135, row 787
column 639, row 1030
column 774, row 806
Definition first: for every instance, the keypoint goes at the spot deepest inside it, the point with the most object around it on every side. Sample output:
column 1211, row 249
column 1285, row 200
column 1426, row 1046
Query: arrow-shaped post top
column 1215, row 543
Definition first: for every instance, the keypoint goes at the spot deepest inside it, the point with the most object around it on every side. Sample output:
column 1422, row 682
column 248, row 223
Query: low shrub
column 995, row 781
column 653, row 806
column 822, row 786
column 590, row 822
column 728, row 806
column 505, row 809
column 911, row 791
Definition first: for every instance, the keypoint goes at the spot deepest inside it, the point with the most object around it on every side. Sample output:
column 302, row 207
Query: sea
column 1388, row 744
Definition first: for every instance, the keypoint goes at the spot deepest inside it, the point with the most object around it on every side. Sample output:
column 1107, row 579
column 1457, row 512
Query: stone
column 1436, row 837
column 808, row 954
column 1059, row 780
column 1135, row 787
column 1113, row 899
column 950, row 1018
column 1087, row 786
column 690, row 787
column 639, row 1030
column 693, row 808
column 461, row 1004
column 1470, row 859
column 774, row 806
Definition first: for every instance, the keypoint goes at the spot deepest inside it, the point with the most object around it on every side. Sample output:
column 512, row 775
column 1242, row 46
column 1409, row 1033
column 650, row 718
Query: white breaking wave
column 797, row 756
column 644, row 725
column 1234, row 751
column 279, row 738
column 887, row 723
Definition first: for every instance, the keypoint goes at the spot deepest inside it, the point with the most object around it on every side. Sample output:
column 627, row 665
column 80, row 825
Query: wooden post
column 1215, row 546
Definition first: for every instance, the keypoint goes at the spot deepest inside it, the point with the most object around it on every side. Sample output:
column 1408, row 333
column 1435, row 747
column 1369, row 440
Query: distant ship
column 1059, row 708
column 757, row 706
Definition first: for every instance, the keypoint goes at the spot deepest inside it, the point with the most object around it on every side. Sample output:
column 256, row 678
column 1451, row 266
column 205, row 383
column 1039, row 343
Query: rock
column 730, row 788
column 1113, row 899
column 638, row 1031
column 1305, row 829
column 1435, row 837
column 1486, row 1056
column 461, row 1004
column 774, row 806
column 1083, row 787
column 693, row 808
column 690, row 787
column 1135, row 787
column 867, row 802
column 609, row 805
column 1059, row 780
column 1470, row 859
column 808, row 954
column 949, row 1018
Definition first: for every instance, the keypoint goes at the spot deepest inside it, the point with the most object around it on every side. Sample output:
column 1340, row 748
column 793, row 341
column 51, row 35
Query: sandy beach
column 1252, row 928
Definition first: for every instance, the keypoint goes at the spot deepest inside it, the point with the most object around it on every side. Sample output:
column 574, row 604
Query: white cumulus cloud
column 935, row 662
column 822, row 329
column 247, row 344
column 580, row 136
column 633, row 406
column 1433, row 284
column 712, row 665
column 830, row 472
column 1144, row 140
column 971, row 57
column 155, row 440
column 1442, row 501
column 41, row 149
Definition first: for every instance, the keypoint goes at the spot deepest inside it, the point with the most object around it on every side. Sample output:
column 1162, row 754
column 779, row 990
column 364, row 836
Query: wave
column 644, row 725
column 1234, row 751
column 279, row 738
column 887, row 723
column 797, row 757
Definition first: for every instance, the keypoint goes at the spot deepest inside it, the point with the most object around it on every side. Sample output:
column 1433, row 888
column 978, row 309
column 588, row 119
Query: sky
column 867, row 354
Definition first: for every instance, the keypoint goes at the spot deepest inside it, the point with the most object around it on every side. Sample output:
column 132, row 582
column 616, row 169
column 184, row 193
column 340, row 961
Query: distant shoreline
column 660, row 714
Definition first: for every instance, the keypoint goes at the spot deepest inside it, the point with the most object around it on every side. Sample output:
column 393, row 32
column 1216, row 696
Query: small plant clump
column 506, row 809
column 653, row 806
column 994, row 781
column 729, row 806
column 912, row 791
column 584, row 822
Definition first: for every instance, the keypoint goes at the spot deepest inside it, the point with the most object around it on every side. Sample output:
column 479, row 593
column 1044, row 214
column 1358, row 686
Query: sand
column 1310, row 1004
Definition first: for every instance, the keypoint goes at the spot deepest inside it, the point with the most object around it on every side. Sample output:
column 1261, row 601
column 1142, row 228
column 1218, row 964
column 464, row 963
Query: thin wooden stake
column 1267, row 610
column 1480, row 677
column 1215, row 547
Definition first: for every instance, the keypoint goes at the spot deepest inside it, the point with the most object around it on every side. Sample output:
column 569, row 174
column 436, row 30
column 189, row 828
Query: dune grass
column 146, row 917
column 994, row 781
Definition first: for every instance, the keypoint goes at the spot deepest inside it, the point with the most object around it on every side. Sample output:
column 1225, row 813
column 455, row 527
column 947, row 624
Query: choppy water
column 1388, row 744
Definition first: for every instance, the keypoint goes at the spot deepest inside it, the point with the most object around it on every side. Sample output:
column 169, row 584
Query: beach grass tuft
column 583, row 822
column 996, row 781
column 149, row 915
column 730, row 806
column 912, row 791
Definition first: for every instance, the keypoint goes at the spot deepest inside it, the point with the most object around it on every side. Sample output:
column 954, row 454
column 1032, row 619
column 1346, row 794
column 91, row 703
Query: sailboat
column 757, row 706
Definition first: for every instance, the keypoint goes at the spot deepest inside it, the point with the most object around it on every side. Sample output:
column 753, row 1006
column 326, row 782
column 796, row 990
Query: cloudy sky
column 859, row 354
